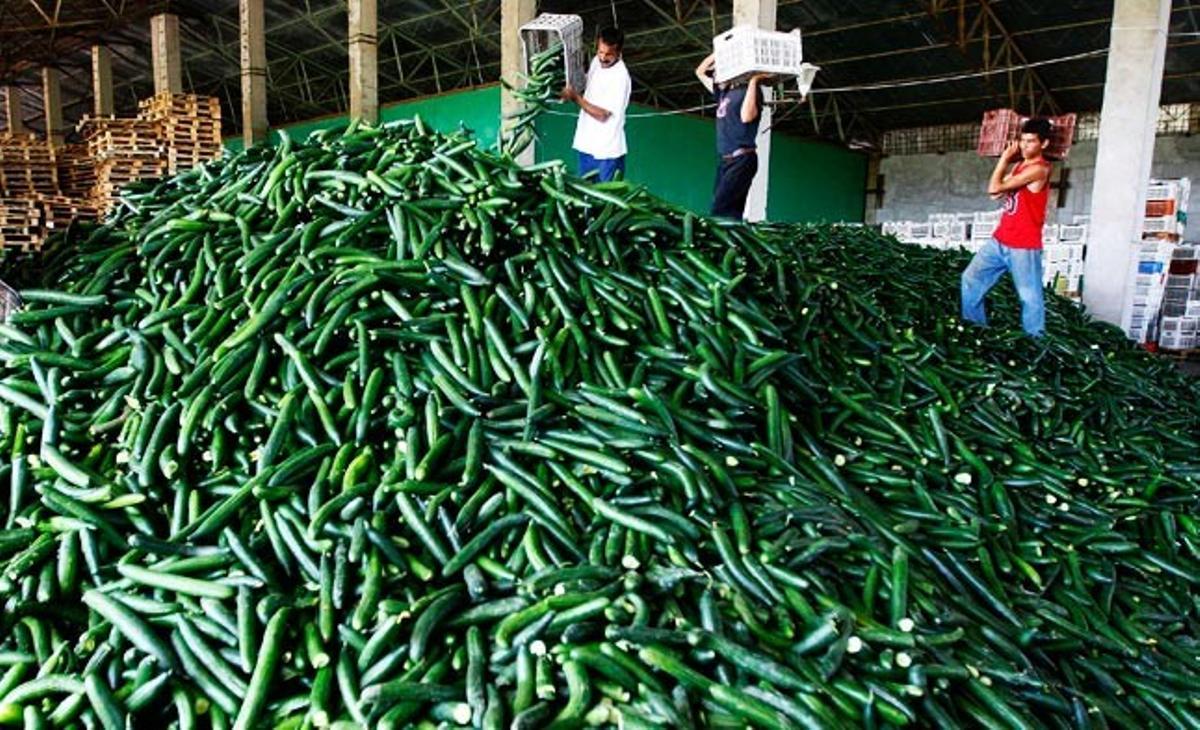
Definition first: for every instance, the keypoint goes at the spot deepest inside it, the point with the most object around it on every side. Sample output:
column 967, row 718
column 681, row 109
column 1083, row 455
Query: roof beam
column 1023, row 83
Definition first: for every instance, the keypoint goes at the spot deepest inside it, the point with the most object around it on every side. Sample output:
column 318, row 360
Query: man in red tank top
column 1016, row 245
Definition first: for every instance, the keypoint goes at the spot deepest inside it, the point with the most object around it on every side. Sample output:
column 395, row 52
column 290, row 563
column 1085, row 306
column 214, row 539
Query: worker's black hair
column 613, row 36
column 1040, row 127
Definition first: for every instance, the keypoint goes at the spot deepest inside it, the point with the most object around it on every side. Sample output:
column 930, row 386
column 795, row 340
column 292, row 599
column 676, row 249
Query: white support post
column 102, row 82
column 254, row 71
column 165, row 56
column 513, row 14
column 761, row 13
column 364, row 69
column 1127, row 125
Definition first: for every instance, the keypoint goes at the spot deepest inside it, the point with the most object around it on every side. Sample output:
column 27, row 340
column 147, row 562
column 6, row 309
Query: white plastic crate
column 949, row 229
column 546, row 30
column 1075, row 233
column 1081, row 220
column 745, row 50
column 1193, row 308
column 920, row 230
column 1166, row 224
column 986, row 217
column 1049, row 234
column 10, row 301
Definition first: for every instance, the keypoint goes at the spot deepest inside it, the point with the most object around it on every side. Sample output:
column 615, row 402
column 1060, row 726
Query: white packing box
column 1075, row 233
column 746, row 50
column 986, row 217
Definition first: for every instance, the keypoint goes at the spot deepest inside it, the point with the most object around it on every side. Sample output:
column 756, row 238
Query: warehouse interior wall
column 672, row 155
column 956, row 182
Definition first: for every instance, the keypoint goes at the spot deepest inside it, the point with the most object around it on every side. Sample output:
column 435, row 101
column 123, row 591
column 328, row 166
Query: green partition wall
column 671, row 154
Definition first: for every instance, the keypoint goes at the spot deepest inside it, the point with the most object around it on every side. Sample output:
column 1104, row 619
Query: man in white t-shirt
column 600, row 132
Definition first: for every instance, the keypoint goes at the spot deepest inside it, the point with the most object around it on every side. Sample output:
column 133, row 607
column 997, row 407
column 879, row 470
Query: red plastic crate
column 1001, row 126
column 1159, row 208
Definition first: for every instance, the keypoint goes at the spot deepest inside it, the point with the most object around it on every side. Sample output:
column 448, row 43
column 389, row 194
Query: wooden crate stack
column 76, row 171
column 122, row 151
column 190, row 127
column 58, row 211
column 27, row 165
column 20, row 224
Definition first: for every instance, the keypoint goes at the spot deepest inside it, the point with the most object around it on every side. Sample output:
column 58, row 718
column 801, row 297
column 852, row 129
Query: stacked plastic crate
column 1065, row 245
column 1181, row 305
column 1162, row 288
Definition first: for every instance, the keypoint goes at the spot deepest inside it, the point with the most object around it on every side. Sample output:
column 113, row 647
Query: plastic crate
column 548, row 29
column 987, row 218
column 1162, row 225
column 1002, row 126
column 1072, row 233
column 10, row 301
column 1161, row 208
column 745, row 50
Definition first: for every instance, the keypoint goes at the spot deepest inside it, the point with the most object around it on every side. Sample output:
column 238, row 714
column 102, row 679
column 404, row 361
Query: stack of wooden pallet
column 20, row 223
column 76, row 171
column 58, row 211
column 27, row 165
column 190, row 126
column 122, row 151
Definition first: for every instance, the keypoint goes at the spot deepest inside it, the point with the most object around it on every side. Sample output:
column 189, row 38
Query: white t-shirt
column 607, row 88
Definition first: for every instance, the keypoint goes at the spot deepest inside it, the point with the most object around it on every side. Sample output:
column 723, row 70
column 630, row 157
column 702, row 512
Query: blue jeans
column 605, row 169
column 986, row 268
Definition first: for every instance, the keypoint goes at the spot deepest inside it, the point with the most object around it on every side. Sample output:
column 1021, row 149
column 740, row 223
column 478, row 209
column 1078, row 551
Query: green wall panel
column 815, row 182
column 475, row 109
column 672, row 155
column 675, row 156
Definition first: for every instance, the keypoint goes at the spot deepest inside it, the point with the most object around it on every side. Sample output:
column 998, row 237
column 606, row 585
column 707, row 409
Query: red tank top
column 1024, row 214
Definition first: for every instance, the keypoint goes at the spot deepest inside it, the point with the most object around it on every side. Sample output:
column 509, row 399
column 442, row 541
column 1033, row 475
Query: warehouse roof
column 886, row 64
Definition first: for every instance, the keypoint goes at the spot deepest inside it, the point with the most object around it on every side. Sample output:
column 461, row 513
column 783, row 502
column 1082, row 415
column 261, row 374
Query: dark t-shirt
column 732, row 133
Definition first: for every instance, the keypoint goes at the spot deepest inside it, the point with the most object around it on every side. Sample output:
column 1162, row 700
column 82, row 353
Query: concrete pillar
column 364, row 68
column 52, row 105
column 254, row 72
column 102, row 83
column 513, row 14
column 12, row 110
column 164, row 49
column 1127, row 124
column 760, row 13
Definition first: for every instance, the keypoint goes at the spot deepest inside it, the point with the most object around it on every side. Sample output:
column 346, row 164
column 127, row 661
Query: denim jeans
column 734, row 177
column 605, row 169
column 986, row 268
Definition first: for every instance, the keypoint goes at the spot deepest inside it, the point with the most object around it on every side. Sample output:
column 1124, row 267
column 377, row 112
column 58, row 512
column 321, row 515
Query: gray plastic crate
column 547, row 29
column 10, row 301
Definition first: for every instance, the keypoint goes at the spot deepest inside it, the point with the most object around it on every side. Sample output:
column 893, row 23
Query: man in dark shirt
column 739, row 109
